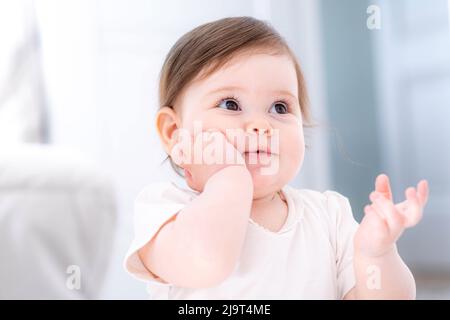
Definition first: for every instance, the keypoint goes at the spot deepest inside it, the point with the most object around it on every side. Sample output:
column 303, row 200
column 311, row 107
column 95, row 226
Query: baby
column 233, row 106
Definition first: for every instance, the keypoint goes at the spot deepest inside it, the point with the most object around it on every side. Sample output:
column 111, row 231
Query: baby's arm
column 199, row 248
column 383, row 277
column 379, row 270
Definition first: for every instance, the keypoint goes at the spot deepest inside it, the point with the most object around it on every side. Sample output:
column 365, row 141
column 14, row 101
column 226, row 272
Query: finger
column 209, row 135
column 413, row 211
column 394, row 219
column 225, row 152
column 232, row 153
column 374, row 195
column 422, row 192
column 382, row 185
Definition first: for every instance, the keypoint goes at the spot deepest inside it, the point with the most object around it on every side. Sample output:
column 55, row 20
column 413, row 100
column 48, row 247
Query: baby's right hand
column 202, row 160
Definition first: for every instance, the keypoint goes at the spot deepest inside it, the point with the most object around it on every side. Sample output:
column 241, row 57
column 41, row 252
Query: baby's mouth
column 257, row 157
column 260, row 150
column 257, row 151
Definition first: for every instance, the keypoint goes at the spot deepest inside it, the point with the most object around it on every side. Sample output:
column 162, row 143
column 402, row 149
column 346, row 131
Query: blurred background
column 78, row 93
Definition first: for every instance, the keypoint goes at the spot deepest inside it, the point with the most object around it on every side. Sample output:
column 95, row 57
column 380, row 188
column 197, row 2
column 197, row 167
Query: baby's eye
column 279, row 107
column 229, row 104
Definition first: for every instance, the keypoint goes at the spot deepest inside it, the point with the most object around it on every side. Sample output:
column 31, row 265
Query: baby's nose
column 259, row 127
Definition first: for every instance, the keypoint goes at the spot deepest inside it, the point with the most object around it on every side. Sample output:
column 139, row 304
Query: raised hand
column 384, row 221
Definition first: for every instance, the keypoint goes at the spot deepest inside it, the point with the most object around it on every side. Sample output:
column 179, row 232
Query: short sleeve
column 155, row 205
column 345, row 228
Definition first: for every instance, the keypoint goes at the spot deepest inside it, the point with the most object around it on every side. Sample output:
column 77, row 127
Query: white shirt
column 310, row 257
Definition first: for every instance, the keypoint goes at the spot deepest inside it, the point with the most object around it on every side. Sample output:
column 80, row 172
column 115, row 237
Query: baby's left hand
column 384, row 221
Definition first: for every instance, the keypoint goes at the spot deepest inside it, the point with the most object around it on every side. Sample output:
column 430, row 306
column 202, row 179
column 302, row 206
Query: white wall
column 413, row 50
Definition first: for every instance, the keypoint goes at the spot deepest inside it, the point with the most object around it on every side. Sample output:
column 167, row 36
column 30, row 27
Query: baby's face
column 254, row 93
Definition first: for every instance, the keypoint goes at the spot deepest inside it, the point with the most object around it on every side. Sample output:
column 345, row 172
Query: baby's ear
column 167, row 123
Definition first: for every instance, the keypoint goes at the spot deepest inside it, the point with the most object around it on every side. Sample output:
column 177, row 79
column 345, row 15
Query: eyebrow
column 237, row 88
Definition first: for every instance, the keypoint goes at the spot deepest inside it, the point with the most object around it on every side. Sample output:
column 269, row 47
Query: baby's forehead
column 248, row 72
column 244, row 62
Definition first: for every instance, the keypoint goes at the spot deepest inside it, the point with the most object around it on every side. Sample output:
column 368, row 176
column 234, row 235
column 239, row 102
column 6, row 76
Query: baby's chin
column 263, row 182
column 271, row 177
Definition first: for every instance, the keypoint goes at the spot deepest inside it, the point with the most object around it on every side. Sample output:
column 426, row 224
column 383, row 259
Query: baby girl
column 233, row 107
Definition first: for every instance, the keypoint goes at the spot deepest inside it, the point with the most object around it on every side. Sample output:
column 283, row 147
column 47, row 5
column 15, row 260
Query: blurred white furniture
column 22, row 96
column 56, row 211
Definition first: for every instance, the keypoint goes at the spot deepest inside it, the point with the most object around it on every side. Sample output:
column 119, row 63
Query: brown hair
column 203, row 50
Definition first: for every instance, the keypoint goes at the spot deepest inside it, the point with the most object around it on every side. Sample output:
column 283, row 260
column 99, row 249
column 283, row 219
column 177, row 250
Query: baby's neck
column 270, row 211
column 265, row 199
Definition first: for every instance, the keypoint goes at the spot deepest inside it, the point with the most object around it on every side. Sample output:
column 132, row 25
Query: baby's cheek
column 204, row 123
column 293, row 151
